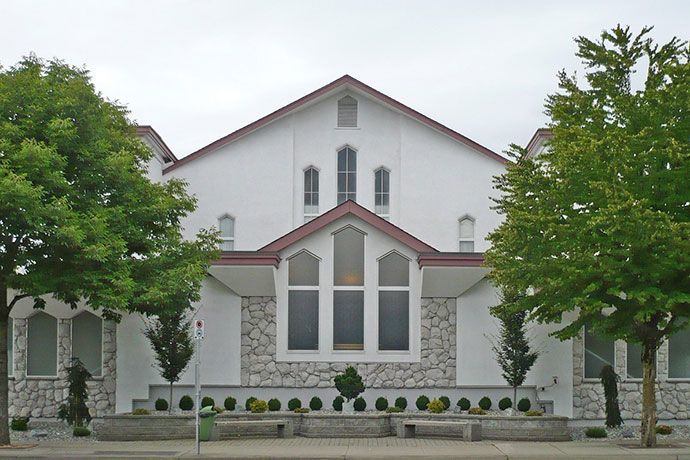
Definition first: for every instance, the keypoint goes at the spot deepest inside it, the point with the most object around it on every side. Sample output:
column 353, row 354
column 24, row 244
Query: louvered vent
column 347, row 112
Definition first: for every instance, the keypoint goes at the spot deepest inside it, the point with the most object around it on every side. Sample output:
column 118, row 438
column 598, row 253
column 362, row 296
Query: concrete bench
column 471, row 431
column 283, row 427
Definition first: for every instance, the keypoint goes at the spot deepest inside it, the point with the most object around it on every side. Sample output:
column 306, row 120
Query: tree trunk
column 648, row 429
column 171, row 402
column 4, row 416
column 515, row 398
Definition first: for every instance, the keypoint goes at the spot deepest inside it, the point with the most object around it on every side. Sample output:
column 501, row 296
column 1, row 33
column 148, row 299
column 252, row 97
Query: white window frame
column 348, row 288
column 57, row 349
column 226, row 239
column 308, row 216
column 347, row 173
column 409, row 304
column 474, row 232
column 303, row 288
column 71, row 334
column 385, row 215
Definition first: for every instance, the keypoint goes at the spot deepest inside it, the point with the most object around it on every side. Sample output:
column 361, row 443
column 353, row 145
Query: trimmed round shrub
column 485, row 403
column 422, row 402
column 664, row 429
column 505, row 403
column 161, row 404
column 81, row 431
column 596, row 432
column 259, row 406
column 436, row 406
column 315, row 403
column 248, row 403
column 524, row 405
column 230, row 403
column 401, row 402
column 446, row 402
column 186, row 402
column 19, row 424
column 273, row 405
column 360, row 404
column 381, row 403
column 338, row 403
column 476, row 411
column 464, row 404
column 207, row 401
column 294, row 403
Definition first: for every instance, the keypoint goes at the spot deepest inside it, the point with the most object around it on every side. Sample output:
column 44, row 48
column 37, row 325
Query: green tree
column 74, row 411
column 511, row 347
column 79, row 219
column 609, row 380
column 598, row 226
column 170, row 335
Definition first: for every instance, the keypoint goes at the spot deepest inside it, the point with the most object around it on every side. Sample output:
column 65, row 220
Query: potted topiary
column 350, row 385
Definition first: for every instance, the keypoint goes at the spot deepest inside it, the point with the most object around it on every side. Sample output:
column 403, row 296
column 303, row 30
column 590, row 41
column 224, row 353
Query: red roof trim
column 348, row 207
column 451, row 259
column 147, row 129
column 345, row 79
column 234, row 258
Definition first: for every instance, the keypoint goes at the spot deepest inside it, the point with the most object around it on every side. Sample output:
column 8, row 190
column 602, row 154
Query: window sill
column 394, row 352
column 303, row 352
column 342, row 352
column 347, row 128
column 677, row 379
column 41, row 377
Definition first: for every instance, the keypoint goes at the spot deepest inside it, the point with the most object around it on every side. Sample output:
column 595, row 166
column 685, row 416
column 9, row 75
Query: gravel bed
column 680, row 432
column 53, row 430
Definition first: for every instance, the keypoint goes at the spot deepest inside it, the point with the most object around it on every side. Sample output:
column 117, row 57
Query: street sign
column 199, row 329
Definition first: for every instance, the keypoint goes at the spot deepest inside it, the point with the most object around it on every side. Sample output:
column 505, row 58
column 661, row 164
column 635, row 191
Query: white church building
column 353, row 233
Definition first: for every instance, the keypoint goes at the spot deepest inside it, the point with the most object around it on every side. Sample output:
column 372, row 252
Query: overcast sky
column 197, row 70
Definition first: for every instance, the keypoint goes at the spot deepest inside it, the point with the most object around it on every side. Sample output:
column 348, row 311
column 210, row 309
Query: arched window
column 347, row 174
column 347, row 112
column 348, row 289
column 394, row 302
column 303, row 302
column 41, row 346
column 311, row 193
column 226, row 224
column 466, row 234
column 599, row 351
column 87, row 341
column 382, row 191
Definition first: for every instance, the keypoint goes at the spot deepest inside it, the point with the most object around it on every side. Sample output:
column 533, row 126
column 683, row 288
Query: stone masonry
column 673, row 398
column 41, row 397
column 436, row 368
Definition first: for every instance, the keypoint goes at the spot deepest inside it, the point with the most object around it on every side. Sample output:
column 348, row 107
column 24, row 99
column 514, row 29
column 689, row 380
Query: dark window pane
column 351, row 160
column 342, row 197
column 678, row 355
column 303, row 270
column 348, row 255
column 87, row 338
column 377, row 181
column 348, row 320
column 378, row 199
column 352, row 183
column 314, row 181
column 342, row 182
column 394, row 320
column 394, row 270
column 307, row 181
column 386, row 181
column 342, row 160
column 599, row 351
column 303, row 320
column 41, row 345
column 634, row 361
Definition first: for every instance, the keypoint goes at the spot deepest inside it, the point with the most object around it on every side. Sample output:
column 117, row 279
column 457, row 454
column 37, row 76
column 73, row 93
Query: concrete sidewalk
column 353, row 449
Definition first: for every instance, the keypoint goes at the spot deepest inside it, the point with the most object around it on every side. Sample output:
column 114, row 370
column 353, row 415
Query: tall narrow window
column 311, row 194
column 466, row 234
column 678, row 356
column 87, row 341
column 347, row 112
column 382, row 190
column 10, row 346
column 227, row 233
column 394, row 303
column 347, row 175
column 41, row 347
column 303, row 302
column 634, row 361
column 348, row 289
column 599, row 351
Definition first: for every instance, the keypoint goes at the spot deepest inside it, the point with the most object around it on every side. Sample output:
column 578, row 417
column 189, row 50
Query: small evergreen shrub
column 302, row 410
column 436, row 406
column 446, row 402
column 524, row 405
column 534, row 413
column 273, row 405
column 186, row 402
column 610, row 380
column 207, row 401
column 258, row 406
column 315, row 403
column 401, row 403
column 81, row 431
column 161, row 404
column 394, row 409
column 381, row 403
column 338, row 403
column 596, row 432
column 485, row 403
column 230, row 403
column 294, row 403
column 476, row 411
column 422, row 402
column 141, row 411
column 248, row 403
column 464, row 404
column 19, row 423
column 505, row 403
column 360, row 404
column 664, row 429
column 349, row 384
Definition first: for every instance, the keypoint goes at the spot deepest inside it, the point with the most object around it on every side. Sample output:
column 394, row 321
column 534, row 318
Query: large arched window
column 311, row 193
column 41, row 346
column 466, row 234
column 87, row 341
column 382, row 191
column 303, row 302
column 347, row 112
column 348, row 289
column 226, row 224
column 599, row 351
column 394, row 302
column 347, row 174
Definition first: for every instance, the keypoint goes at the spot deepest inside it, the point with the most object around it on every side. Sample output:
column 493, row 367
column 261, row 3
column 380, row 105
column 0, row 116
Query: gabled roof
column 344, row 81
column 152, row 134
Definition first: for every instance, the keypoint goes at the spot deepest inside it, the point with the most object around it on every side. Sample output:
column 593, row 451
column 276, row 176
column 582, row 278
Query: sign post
column 198, row 335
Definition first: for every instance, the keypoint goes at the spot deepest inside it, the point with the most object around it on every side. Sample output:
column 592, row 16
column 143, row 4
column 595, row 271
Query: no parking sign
column 199, row 329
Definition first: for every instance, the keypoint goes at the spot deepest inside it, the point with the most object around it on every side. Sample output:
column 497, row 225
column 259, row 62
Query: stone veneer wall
column 41, row 397
column 672, row 397
column 435, row 369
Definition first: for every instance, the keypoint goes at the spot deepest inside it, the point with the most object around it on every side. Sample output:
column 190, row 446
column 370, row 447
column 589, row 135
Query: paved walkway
column 353, row 449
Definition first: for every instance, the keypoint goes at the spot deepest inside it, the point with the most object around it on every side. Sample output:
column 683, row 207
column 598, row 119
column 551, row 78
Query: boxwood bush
column 161, row 404
column 273, row 405
column 446, row 402
column 394, row 409
column 505, row 403
column 230, row 403
column 485, row 403
column 80, row 431
column 664, row 429
column 294, row 403
column 248, row 403
column 207, row 401
column 401, row 402
column 20, row 423
column 464, row 404
column 476, row 411
column 422, row 402
column 381, row 403
column 524, row 405
column 259, row 406
column 186, row 403
column 436, row 406
column 338, row 403
column 315, row 403
column 596, row 432
column 360, row 404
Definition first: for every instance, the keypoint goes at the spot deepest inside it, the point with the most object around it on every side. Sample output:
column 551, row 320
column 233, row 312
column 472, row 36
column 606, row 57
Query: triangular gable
column 346, row 81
